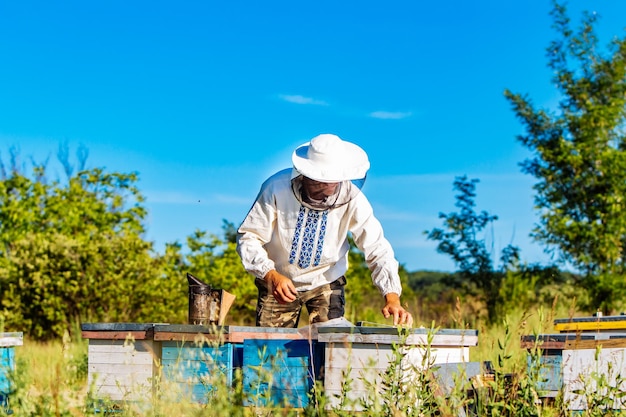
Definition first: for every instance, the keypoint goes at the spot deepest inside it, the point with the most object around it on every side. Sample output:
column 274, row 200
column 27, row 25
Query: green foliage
column 463, row 240
column 580, row 157
column 217, row 263
column 363, row 301
column 602, row 389
column 74, row 251
column 442, row 298
column 52, row 381
column 508, row 393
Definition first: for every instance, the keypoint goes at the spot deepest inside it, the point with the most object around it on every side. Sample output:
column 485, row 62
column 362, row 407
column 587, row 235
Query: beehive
column 280, row 372
column 123, row 360
column 359, row 356
column 8, row 341
column 196, row 360
column 586, row 348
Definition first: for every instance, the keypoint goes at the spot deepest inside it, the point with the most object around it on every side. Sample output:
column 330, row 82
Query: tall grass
column 51, row 380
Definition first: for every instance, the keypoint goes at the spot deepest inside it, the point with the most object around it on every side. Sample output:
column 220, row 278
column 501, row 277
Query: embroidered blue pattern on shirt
column 308, row 239
column 296, row 236
column 320, row 239
column 304, row 237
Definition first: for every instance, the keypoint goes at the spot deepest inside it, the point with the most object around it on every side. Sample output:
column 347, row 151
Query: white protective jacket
column 311, row 246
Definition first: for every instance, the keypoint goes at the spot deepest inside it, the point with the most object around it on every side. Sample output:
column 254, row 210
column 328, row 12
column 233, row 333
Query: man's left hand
column 395, row 309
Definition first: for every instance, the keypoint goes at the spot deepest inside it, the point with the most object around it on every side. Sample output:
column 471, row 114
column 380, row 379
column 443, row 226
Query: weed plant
column 51, row 381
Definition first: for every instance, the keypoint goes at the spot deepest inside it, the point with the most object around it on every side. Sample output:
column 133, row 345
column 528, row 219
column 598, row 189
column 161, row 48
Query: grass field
column 51, row 380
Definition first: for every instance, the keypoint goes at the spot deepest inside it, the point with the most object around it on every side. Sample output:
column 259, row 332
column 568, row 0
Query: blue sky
column 206, row 99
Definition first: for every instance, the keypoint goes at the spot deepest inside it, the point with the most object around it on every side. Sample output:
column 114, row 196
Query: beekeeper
column 294, row 239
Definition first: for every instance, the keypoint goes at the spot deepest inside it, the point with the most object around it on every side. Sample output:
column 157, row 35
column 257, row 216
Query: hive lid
column 116, row 327
column 11, row 339
column 395, row 331
column 591, row 323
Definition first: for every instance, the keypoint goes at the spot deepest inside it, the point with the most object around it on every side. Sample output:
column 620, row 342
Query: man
column 294, row 239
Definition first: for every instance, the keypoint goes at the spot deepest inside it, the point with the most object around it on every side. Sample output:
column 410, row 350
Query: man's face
column 317, row 190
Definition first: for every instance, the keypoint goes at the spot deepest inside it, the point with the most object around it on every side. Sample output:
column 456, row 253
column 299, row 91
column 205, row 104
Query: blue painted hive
column 197, row 360
column 280, row 373
column 7, row 365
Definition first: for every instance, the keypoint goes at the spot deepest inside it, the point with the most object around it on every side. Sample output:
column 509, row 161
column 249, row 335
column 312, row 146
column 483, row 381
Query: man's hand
column 281, row 287
column 395, row 309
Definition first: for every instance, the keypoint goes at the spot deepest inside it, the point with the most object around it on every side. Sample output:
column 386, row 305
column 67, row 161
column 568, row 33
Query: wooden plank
column 389, row 339
column 222, row 334
column 190, row 328
column 186, row 392
column 129, row 367
column 241, row 336
column 7, row 365
column 117, row 335
column 360, row 355
column 357, row 356
column 579, row 368
column 195, row 353
column 117, row 392
column 595, row 318
column 553, row 341
column 363, row 364
column 122, row 348
column 285, row 331
column 278, row 369
column 11, row 339
column 198, row 373
column 117, row 326
column 543, row 345
column 361, row 380
column 592, row 344
column 395, row 331
column 439, row 355
column 190, row 337
column 127, row 376
column 198, row 366
column 139, row 345
column 550, row 372
column 121, row 369
column 116, row 358
column 590, row 325
column 126, row 382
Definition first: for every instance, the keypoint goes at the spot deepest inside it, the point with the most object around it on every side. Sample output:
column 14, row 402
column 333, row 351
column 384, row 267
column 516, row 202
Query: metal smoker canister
column 204, row 302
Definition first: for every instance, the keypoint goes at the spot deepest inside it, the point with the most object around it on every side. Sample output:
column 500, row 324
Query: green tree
column 73, row 251
column 363, row 300
column 463, row 240
column 579, row 158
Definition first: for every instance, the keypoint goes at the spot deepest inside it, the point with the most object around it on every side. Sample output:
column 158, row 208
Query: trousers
column 323, row 303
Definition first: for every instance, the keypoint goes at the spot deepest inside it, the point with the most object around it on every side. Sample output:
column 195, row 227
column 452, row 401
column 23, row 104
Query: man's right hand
column 281, row 287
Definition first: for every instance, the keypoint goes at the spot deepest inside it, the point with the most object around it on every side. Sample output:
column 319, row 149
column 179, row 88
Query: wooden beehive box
column 196, row 360
column 604, row 357
column 585, row 346
column 8, row 341
column 276, row 363
column 280, row 372
column 551, row 359
column 597, row 324
column 123, row 360
column 359, row 356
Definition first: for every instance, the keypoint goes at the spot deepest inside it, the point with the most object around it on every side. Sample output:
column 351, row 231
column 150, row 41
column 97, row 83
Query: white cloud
column 390, row 115
column 298, row 99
